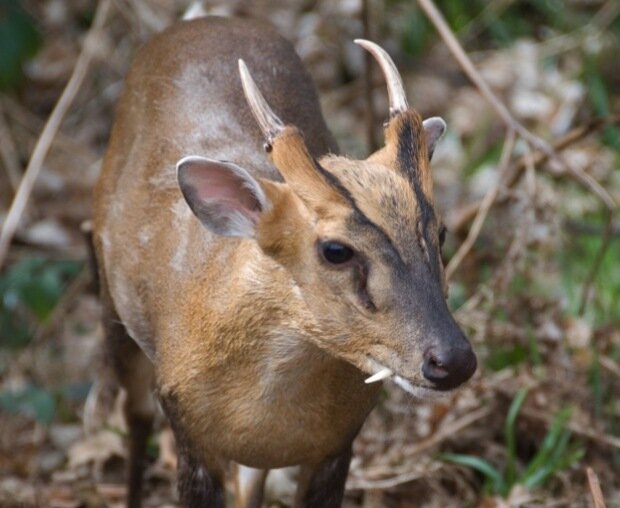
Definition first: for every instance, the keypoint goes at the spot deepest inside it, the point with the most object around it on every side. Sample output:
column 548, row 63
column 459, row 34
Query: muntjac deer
column 261, row 284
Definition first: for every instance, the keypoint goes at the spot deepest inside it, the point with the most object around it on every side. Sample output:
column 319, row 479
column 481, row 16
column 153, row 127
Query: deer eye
column 336, row 253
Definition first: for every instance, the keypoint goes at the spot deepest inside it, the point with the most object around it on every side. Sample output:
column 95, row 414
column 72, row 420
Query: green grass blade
column 509, row 433
column 551, row 441
column 550, row 466
column 481, row 465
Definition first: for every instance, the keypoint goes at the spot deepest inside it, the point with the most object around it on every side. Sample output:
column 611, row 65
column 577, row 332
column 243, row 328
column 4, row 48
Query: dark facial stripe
column 359, row 216
column 409, row 162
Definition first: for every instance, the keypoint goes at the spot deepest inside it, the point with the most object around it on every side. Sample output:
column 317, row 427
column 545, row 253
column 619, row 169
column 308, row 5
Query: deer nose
column 448, row 367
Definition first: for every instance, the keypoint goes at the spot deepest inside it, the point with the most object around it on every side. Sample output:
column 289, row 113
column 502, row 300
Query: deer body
column 208, row 285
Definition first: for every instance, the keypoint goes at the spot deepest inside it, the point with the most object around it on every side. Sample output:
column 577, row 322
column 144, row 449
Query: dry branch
column 468, row 67
column 484, row 208
column 516, row 171
column 544, row 149
column 371, row 136
column 595, row 489
column 49, row 131
column 8, row 152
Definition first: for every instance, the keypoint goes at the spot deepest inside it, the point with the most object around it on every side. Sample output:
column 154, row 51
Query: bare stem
column 466, row 64
column 49, row 131
column 518, row 168
column 595, row 489
column 371, row 136
column 598, row 261
column 8, row 152
column 485, row 206
column 511, row 122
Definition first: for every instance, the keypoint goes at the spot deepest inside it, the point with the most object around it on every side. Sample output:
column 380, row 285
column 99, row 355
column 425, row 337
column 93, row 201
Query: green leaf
column 510, row 435
column 29, row 292
column 19, row 40
column 481, row 465
column 551, row 441
column 30, row 401
column 502, row 357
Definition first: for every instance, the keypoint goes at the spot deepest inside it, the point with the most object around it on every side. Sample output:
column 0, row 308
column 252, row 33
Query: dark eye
column 442, row 235
column 336, row 253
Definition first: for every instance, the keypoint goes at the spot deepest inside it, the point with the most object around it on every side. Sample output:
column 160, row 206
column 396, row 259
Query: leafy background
column 544, row 404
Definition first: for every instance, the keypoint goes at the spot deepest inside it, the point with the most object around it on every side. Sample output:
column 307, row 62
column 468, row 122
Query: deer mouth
column 419, row 391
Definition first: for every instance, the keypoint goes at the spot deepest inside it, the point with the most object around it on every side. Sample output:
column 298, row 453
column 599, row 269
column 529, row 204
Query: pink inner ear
column 214, row 182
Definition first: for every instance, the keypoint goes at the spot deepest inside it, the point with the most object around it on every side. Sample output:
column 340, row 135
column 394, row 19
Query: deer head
column 360, row 238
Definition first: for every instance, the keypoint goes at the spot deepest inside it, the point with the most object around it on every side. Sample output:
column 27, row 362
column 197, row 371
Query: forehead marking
column 409, row 160
column 358, row 215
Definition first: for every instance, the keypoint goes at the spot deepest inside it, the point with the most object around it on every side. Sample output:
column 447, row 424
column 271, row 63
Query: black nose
column 448, row 367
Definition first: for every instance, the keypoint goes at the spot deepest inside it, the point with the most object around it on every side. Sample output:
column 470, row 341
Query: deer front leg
column 249, row 486
column 200, row 481
column 322, row 485
column 198, row 487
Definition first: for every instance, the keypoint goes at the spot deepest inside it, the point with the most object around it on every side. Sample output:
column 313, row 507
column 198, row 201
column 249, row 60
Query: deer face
column 361, row 239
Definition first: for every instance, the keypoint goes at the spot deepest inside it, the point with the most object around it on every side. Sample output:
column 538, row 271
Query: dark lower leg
column 139, row 432
column 323, row 485
column 197, row 487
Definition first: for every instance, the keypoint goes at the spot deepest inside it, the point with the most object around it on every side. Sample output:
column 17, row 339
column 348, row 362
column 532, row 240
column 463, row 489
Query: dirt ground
column 538, row 293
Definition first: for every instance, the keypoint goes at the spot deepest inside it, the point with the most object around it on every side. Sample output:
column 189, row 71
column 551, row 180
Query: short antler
column 396, row 92
column 269, row 123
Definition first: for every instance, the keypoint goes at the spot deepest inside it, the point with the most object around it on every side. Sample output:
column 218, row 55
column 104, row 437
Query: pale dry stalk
column 51, row 128
column 485, row 206
column 511, row 122
column 468, row 67
column 595, row 489
column 8, row 152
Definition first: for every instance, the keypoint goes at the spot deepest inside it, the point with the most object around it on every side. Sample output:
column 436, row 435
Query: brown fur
column 258, row 347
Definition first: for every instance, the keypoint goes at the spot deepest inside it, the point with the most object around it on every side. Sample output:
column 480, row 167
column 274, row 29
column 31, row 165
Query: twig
column 466, row 64
column 17, row 113
column 448, row 431
column 387, row 483
column 484, row 208
column 516, row 171
column 600, row 437
column 610, row 365
column 51, row 127
column 71, row 293
column 8, row 152
column 401, row 477
column 595, row 489
column 371, row 138
column 580, row 228
column 511, row 122
column 598, row 261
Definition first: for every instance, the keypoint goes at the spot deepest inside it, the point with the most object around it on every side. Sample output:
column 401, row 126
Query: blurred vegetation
column 556, row 452
column 19, row 39
column 29, row 292
column 32, row 287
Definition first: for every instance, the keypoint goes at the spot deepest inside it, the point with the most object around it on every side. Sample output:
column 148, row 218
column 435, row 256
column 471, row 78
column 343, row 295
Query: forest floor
column 538, row 293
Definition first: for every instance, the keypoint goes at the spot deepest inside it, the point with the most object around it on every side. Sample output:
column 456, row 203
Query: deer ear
column 224, row 196
column 434, row 128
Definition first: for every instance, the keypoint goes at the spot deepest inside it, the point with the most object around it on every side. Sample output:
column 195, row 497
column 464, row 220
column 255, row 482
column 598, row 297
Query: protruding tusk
column 269, row 123
column 396, row 91
column 379, row 376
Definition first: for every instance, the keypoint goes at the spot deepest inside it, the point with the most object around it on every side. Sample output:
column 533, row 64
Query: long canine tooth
column 379, row 376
